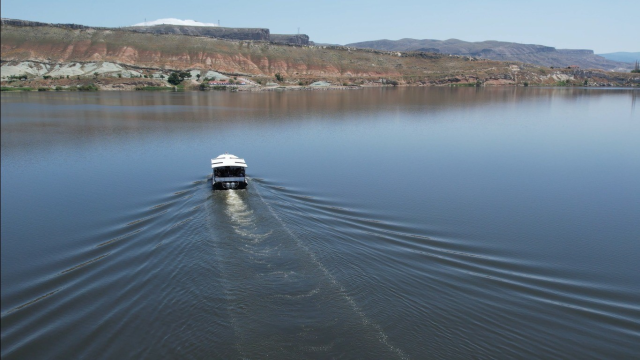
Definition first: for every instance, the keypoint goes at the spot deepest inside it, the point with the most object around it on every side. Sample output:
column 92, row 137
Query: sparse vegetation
column 153, row 88
column 9, row 88
column 364, row 66
column 464, row 85
column 88, row 87
column 18, row 77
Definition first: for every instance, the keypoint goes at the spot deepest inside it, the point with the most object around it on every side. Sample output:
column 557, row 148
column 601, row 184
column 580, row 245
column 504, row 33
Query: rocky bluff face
column 502, row 51
column 299, row 39
column 255, row 34
column 209, row 31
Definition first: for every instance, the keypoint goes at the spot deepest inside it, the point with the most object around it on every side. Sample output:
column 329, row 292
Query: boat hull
column 229, row 185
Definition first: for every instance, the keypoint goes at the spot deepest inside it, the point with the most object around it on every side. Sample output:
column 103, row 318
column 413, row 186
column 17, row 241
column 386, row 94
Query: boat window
column 228, row 171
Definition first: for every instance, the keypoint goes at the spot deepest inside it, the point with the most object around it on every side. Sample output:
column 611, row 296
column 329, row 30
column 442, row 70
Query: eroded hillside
column 502, row 51
column 45, row 50
column 50, row 44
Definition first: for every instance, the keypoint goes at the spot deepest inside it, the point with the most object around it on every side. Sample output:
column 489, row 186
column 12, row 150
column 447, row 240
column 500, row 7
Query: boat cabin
column 228, row 172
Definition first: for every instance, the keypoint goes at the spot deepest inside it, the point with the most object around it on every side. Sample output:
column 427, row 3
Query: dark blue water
column 384, row 223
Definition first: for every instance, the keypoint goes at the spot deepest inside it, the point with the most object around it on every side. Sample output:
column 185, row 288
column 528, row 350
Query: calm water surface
column 383, row 223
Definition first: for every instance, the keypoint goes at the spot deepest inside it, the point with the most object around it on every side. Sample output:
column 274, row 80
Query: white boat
column 228, row 172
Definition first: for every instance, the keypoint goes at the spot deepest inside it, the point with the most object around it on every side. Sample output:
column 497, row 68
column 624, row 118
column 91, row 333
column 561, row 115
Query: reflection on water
column 380, row 223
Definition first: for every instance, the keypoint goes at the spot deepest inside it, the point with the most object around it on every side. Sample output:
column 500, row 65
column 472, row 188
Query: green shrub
column 177, row 77
column 174, row 79
column 7, row 88
column 18, row 77
column 279, row 77
column 153, row 88
column 88, row 87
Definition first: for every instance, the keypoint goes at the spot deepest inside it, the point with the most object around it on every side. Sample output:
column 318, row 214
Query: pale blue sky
column 603, row 26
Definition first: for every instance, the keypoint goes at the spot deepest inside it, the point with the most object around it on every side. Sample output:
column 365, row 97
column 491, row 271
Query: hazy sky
column 604, row 26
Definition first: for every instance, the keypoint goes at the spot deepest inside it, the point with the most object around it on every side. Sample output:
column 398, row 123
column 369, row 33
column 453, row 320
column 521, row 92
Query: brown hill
column 61, row 45
column 54, row 47
column 503, row 51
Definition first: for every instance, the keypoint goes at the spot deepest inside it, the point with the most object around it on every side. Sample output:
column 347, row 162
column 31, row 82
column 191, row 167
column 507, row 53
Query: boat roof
column 227, row 160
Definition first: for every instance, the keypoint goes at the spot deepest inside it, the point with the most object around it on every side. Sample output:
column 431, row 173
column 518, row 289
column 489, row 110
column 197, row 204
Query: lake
column 425, row 223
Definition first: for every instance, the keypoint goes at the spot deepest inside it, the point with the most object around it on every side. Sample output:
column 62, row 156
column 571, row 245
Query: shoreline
column 253, row 89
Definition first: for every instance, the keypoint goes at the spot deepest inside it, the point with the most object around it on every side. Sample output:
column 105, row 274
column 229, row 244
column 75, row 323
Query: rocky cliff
column 209, row 31
column 503, row 51
column 27, row 23
column 69, row 53
column 255, row 34
column 52, row 44
column 299, row 39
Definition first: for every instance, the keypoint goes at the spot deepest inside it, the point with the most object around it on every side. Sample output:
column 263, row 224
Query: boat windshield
column 228, row 171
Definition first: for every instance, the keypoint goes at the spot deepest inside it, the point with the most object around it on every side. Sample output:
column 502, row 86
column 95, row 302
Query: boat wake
column 272, row 271
column 282, row 300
